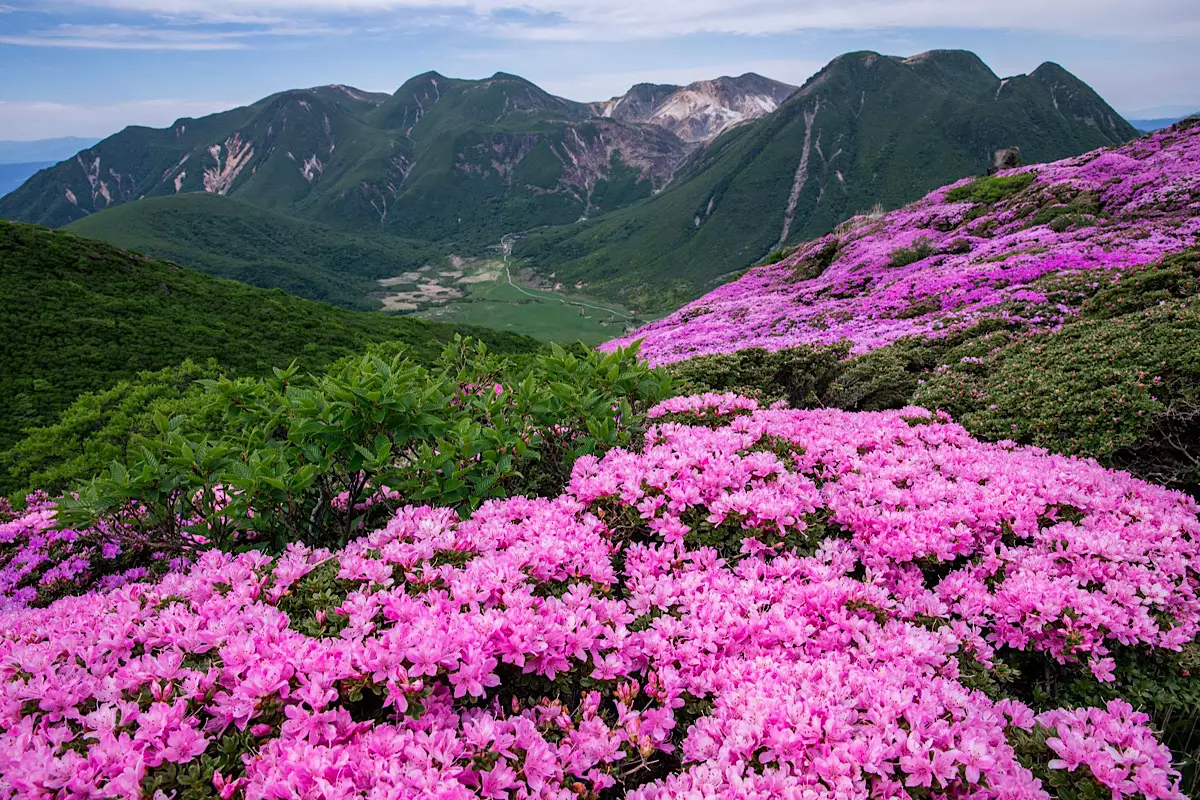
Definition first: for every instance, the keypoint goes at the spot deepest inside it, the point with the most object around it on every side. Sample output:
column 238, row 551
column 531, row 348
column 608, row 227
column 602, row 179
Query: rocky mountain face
column 439, row 159
column 699, row 112
column 867, row 129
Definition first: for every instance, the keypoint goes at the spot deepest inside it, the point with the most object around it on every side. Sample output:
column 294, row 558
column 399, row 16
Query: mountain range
column 866, row 130
column 647, row 198
column 441, row 159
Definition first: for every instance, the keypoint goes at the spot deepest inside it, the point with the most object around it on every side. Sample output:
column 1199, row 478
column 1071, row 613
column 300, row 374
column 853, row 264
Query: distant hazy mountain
column 867, row 129
column 701, row 111
column 1158, row 123
column 22, row 152
column 13, row 175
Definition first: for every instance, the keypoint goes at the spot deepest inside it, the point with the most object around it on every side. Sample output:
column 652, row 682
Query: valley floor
column 486, row 292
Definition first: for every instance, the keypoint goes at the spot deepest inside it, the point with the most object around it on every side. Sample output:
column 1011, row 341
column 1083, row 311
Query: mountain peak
column 1075, row 100
column 1051, row 68
column 947, row 56
column 701, row 111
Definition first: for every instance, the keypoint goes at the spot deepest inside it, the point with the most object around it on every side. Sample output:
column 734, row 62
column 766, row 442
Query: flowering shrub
column 967, row 253
column 1125, row 390
column 769, row 603
column 316, row 459
column 41, row 561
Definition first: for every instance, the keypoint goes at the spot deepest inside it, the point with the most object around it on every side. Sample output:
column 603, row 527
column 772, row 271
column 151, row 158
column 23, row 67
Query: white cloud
column 41, row 120
column 144, row 37
column 125, row 37
column 607, row 20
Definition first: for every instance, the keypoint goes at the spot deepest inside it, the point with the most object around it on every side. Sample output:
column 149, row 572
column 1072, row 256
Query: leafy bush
column 1120, row 384
column 991, row 189
column 920, row 250
column 777, row 255
column 819, row 259
column 801, row 376
column 811, row 377
column 100, row 427
column 312, row 459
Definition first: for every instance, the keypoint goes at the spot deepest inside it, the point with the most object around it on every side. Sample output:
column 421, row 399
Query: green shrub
column 1124, row 390
column 991, row 189
column 313, row 458
column 776, row 255
column 102, row 426
column 815, row 263
column 921, row 249
column 1077, row 207
column 801, row 376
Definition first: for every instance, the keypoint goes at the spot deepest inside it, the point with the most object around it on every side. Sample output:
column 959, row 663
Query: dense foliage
column 80, row 315
column 941, row 265
column 751, row 603
column 1125, row 390
column 100, row 427
column 261, row 463
column 231, row 239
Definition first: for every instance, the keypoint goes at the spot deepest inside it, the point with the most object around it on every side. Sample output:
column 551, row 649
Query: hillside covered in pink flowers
column 988, row 248
column 750, row 603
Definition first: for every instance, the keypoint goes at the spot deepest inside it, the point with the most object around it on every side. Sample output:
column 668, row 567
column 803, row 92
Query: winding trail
column 506, row 244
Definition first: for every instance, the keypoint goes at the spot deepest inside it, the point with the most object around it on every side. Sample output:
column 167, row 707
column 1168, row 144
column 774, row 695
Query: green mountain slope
column 867, row 129
column 231, row 239
column 79, row 315
column 440, row 160
column 13, row 175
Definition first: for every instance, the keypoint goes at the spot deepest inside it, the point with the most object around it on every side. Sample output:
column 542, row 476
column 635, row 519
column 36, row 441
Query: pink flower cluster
column 37, row 557
column 710, row 403
column 1113, row 743
column 738, row 611
column 975, row 266
column 383, row 494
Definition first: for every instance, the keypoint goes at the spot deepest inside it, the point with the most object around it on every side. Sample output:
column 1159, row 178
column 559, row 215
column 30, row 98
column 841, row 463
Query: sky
column 91, row 67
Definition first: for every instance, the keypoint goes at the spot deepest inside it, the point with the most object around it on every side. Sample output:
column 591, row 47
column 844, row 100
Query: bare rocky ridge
column 699, row 112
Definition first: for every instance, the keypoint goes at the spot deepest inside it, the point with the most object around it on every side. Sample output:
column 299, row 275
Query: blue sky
column 90, row 67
